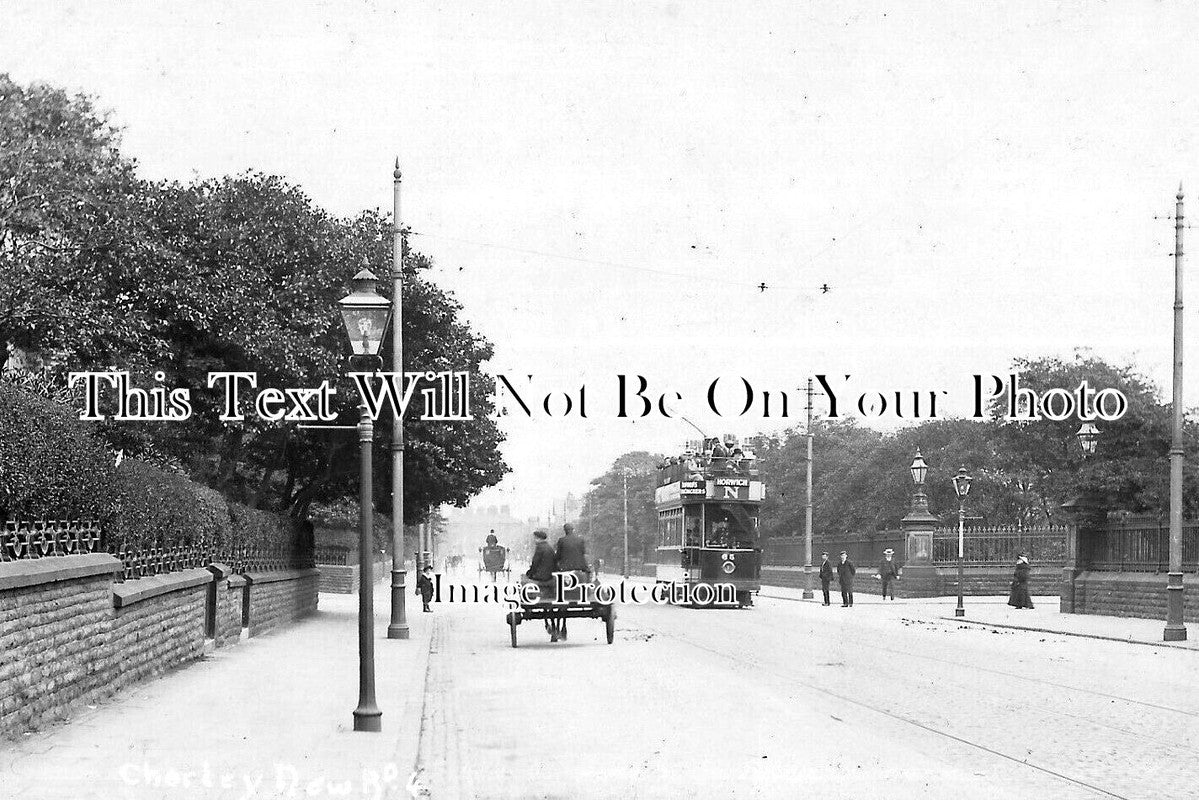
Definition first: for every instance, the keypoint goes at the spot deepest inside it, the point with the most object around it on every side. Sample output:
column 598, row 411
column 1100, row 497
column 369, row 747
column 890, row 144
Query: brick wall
column 70, row 635
column 277, row 598
column 157, row 628
column 230, row 597
column 1129, row 594
column 342, row 579
column 55, row 618
column 977, row 581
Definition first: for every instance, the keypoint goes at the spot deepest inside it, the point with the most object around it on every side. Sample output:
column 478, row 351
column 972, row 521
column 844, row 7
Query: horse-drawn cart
column 576, row 603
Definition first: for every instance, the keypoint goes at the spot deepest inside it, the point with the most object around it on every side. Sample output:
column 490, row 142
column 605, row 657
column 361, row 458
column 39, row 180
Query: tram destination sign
column 734, row 489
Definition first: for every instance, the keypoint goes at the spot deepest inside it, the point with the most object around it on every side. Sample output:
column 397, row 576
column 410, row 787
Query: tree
column 602, row 523
column 99, row 269
column 76, row 254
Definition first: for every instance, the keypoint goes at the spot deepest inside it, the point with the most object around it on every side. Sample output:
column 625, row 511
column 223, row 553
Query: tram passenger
column 542, row 567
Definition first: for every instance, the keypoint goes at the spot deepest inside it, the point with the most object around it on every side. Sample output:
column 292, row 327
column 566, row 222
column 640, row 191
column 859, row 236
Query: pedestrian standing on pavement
column 424, row 586
column 1019, row 597
column 887, row 573
column 845, row 572
column 826, row 576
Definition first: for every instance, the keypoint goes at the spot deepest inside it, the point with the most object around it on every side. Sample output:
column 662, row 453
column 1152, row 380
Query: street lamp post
column 625, row 475
column 365, row 314
column 1175, row 630
column 398, row 629
column 961, row 485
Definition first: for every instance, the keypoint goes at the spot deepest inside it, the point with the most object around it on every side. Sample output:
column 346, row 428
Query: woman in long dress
column 1019, row 597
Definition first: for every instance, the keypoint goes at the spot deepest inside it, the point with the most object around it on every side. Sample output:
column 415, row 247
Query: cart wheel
column 610, row 623
column 513, row 621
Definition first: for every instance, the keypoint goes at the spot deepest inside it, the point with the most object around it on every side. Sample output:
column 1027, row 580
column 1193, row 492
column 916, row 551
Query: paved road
column 785, row 700
column 790, row 698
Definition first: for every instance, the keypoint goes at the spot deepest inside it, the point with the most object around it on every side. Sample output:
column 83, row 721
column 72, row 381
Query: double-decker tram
column 708, row 502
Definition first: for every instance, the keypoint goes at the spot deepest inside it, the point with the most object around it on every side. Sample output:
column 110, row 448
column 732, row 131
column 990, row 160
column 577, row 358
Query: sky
column 605, row 186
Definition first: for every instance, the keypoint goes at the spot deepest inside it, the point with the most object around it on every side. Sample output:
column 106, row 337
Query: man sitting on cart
column 541, row 569
column 571, row 553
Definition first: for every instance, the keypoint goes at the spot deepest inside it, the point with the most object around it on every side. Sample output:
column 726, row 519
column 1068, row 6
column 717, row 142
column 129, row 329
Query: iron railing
column 1138, row 545
column 26, row 539
column 1001, row 544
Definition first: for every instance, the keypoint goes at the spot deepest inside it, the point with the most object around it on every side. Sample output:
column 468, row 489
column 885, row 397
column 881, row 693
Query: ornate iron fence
column 339, row 556
column 1001, row 544
column 30, row 539
column 26, row 539
column 1139, row 545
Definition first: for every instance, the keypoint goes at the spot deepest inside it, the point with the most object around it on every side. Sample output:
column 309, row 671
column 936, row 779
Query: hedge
column 55, row 466
column 51, row 464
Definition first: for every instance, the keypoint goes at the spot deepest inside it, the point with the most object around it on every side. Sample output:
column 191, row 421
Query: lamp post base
column 808, row 594
column 959, row 612
column 368, row 719
column 398, row 629
column 1175, row 630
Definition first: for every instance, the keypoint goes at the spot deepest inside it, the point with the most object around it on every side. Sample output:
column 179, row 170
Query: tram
column 708, row 502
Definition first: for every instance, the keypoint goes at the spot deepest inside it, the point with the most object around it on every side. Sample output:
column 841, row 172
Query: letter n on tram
column 708, row 503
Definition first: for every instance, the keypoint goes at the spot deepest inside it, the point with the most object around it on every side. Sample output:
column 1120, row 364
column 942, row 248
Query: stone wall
column 1131, row 594
column 343, row 579
column 71, row 634
column 977, row 581
column 55, row 619
column 276, row 598
column 230, row 602
column 158, row 624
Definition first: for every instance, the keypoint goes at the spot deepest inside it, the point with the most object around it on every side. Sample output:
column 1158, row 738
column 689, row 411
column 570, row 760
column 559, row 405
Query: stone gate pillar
column 919, row 577
column 1082, row 513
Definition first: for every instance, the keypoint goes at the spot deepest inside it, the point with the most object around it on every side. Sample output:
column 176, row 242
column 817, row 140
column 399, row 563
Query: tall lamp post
column 1175, row 630
column 625, row 475
column 365, row 315
column 961, row 485
column 398, row 629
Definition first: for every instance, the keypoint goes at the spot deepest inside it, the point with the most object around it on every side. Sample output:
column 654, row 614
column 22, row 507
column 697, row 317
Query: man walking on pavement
column 887, row 573
column 845, row 573
column 826, row 576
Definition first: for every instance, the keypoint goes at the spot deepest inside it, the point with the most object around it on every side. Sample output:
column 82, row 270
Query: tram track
column 1003, row 673
column 792, row 679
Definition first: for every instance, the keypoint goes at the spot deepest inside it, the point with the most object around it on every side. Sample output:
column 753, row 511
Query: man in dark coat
column 1020, row 598
column 845, row 572
column 571, row 551
column 542, row 566
column 826, row 576
column 887, row 573
column 424, row 586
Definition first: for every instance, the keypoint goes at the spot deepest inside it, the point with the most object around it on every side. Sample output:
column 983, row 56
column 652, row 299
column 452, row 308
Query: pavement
column 270, row 717
column 1044, row 617
column 885, row 700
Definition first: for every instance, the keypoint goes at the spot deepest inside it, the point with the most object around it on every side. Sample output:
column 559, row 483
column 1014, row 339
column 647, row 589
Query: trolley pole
column 1175, row 630
column 625, row 475
column 807, row 539
column 398, row 629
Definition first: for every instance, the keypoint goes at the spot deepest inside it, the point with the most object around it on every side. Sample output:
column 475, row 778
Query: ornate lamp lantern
column 365, row 313
column 1088, row 438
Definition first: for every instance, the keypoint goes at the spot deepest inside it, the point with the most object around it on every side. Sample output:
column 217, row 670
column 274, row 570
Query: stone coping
column 131, row 592
column 220, row 570
column 1148, row 578
column 281, row 575
column 35, row 571
column 237, row 581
